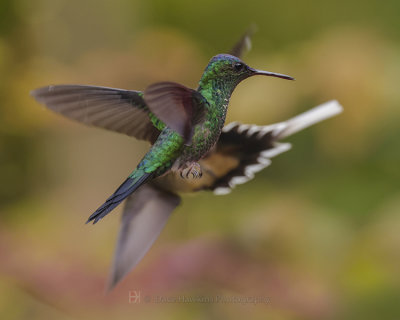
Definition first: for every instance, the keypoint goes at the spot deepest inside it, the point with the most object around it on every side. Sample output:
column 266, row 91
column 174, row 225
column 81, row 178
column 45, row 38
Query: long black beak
column 271, row 74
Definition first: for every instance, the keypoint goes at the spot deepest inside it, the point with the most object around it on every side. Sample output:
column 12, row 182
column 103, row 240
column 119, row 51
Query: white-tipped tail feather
column 273, row 133
column 308, row 118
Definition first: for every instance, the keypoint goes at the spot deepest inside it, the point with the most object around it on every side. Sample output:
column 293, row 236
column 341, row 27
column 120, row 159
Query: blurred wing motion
column 145, row 214
column 244, row 43
column 241, row 151
column 123, row 111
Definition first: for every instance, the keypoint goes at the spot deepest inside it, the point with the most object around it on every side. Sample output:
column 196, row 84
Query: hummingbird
column 191, row 148
column 181, row 123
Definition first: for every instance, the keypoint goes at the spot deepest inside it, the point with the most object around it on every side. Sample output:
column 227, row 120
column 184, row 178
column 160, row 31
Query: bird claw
column 193, row 169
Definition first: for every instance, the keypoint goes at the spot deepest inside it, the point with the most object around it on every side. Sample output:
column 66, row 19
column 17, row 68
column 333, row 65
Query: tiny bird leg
column 193, row 169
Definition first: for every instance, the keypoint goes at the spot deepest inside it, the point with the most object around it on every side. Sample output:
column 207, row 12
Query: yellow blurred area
column 317, row 232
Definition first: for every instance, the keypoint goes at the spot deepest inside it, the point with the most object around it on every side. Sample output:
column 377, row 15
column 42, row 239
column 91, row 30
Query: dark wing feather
column 175, row 105
column 123, row 111
column 244, row 43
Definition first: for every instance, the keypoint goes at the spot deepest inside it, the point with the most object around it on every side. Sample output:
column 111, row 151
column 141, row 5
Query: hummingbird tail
column 307, row 119
column 244, row 149
column 124, row 190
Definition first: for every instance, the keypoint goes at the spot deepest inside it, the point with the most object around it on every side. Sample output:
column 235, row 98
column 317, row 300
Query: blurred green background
column 318, row 232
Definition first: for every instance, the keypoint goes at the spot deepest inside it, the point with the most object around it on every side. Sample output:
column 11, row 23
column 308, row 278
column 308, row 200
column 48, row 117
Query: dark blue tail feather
column 124, row 190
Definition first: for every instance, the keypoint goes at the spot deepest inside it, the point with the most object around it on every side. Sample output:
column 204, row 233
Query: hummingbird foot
column 193, row 169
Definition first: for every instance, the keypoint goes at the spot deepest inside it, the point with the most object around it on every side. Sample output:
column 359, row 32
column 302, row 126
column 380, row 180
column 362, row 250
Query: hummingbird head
column 230, row 71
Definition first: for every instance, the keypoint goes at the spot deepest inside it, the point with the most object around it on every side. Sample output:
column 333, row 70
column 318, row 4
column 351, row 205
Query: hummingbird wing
column 179, row 107
column 242, row 150
column 123, row 111
column 145, row 214
column 244, row 43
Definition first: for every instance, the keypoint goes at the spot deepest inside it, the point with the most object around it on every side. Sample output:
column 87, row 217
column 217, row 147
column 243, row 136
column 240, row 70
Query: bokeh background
column 317, row 233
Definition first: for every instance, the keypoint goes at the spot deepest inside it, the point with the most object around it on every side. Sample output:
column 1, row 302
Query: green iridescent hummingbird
column 183, row 124
column 189, row 140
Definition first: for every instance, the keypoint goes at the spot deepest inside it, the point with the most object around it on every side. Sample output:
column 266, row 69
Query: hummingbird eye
column 238, row 66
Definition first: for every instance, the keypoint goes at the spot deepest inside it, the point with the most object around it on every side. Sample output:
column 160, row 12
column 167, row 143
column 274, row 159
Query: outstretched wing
column 123, row 111
column 242, row 150
column 145, row 214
